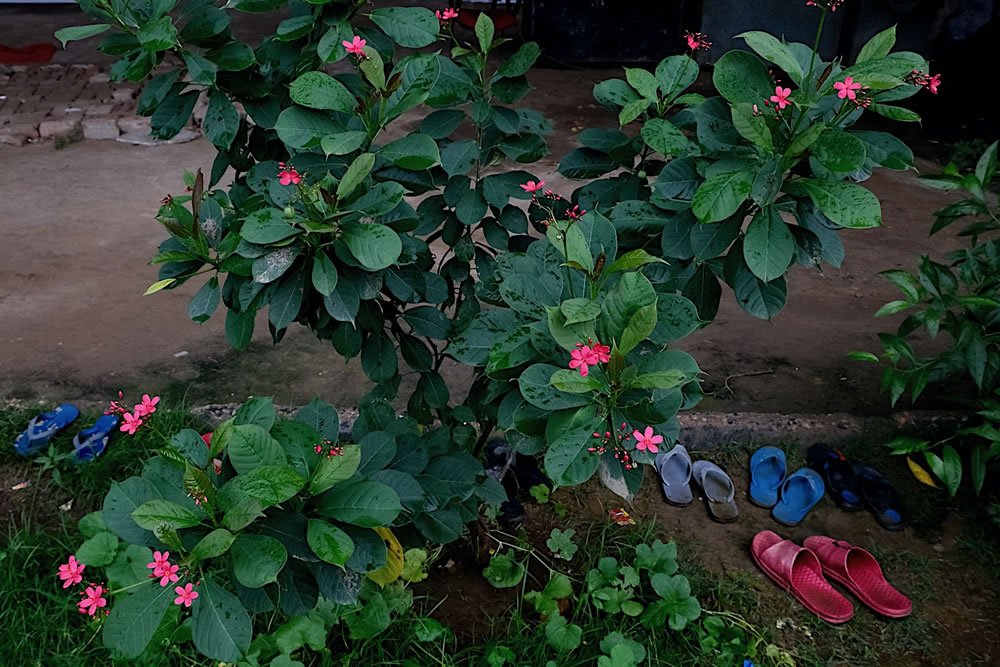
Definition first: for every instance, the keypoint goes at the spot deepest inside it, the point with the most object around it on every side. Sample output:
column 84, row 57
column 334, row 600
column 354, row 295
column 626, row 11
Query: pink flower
column 647, row 441
column 826, row 4
column 93, row 600
column 355, row 47
column 71, row 572
column 185, row 596
column 531, row 186
column 167, row 573
column 603, row 353
column 288, row 175
column 159, row 560
column 780, row 97
column 697, row 40
column 147, row 407
column 131, row 423
column 447, row 14
column 933, row 82
column 583, row 357
column 574, row 213
column 847, row 88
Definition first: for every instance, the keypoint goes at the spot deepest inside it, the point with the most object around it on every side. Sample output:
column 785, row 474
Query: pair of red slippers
column 803, row 572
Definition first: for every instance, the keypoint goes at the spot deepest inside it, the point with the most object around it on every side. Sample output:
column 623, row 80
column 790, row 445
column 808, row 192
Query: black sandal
column 838, row 475
column 880, row 497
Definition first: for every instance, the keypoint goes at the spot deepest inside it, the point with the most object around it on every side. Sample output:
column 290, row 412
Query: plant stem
column 812, row 58
column 569, row 275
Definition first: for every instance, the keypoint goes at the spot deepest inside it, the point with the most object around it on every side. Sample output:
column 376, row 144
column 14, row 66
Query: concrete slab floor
column 77, row 231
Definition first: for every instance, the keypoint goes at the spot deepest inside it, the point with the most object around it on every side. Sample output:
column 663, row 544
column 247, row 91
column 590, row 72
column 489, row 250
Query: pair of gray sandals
column 676, row 471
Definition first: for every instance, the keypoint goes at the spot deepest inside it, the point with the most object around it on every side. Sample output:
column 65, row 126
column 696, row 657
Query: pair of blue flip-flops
column 790, row 497
column 88, row 444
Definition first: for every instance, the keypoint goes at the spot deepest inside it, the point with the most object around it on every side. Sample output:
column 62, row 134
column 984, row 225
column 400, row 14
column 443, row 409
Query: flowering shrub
column 271, row 514
column 777, row 143
column 962, row 300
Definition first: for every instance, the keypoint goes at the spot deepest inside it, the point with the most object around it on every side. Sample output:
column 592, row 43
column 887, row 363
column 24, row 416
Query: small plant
column 962, row 300
column 272, row 515
column 561, row 545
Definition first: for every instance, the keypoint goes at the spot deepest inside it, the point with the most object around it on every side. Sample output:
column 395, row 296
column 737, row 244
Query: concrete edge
column 710, row 430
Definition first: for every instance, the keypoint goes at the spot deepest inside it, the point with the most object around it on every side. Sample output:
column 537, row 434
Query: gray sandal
column 719, row 491
column 675, row 475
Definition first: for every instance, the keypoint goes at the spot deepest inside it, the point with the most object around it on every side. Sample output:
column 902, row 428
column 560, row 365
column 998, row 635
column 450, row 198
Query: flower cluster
column 93, row 599
column 697, row 40
column 447, row 15
column 575, row 213
column 330, row 448
column 919, row 78
column 825, row 4
column 288, row 175
column 585, row 356
column 645, row 441
column 356, row 47
column 131, row 421
column 162, row 568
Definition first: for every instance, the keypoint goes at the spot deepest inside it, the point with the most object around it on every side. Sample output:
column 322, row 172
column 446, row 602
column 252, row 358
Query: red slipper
column 798, row 571
column 858, row 570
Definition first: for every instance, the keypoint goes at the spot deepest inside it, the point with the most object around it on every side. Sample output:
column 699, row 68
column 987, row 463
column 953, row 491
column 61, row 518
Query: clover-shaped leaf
column 504, row 572
column 620, row 656
column 563, row 636
column 540, row 492
column 560, row 543
column 546, row 600
column 615, row 639
column 677, row 602
column 658, row 558
column 629, row 576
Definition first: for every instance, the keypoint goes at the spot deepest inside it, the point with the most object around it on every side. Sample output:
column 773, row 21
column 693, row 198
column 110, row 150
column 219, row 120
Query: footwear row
column 88, row 444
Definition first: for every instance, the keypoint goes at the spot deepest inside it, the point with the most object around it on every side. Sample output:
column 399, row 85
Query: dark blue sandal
column 42, row 427
column 838, row 475
column 89, row 443
column 880, row 497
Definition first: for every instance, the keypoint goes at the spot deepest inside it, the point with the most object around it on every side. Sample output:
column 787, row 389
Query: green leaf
column 91, row 524
column 257, row 559
column 741, row 77
column 677, row 600
column 335, row 469
column 579, row 310
column 560, row 543
column 675, row 74
column 582, row 163
column 721, row 195
column 270, row 484
column 770, row 48
column 987, row 165
column 846, row 204
column 373, row 68
column 328, row 542
column 614, row 93
column 629, row 312
column 562, row 635
column 884, row 149
column 948, row 469
column 251, row 447
column 304, row 128
column 977, row 466
column 633, row 259
column 355, row 174
column 574, row 247
column 662, row 136
column 158, row 34
column 205, row 301
column 434, row 390
column 571, row 381
column 366, row 504
column 222, row 120
column 862, row 356
column 154, row 513
column 536, row 388
column 191, row 446
column 80, row 32
column 220, row 625
column 134, row 620
column 878, row 46
column 343, row 143
column 213, row 545
column 324, row 274
column 752, row 127
column 440, row 124
column 159, row 285
column 378, row 359
column 412, row 27
column 838, row 150
column 632, row 110
column 232, row 56
column 504, row 572
column 428, row 321
column 99, row 550
column 294, row 27
column 121, row 501
column 375, row 246
column 258, row 411
column 203, row 71
column 266, row 225
column 804, row 139
column 660, row 380
column 644, row 82
column 318, row 90
column 895, row 113
column 569, row 433
column 768, row 246
column 484, row 32
column 676, row 317
column 756, row 297
column 415, row 151
column 459, row 156
column 519, row 63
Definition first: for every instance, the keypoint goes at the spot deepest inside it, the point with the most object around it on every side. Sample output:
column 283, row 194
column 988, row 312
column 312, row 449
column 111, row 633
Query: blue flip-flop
column 767, row 472
column 799, row 494
column 89, row 443
column 42, row 427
